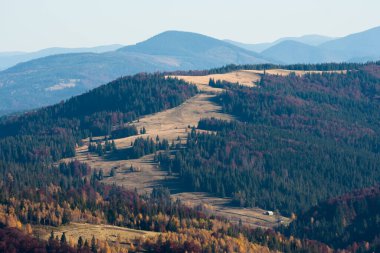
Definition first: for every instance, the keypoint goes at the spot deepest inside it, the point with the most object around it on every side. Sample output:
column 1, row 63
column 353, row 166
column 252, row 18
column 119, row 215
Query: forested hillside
column 298, row 133
column 35, row 191
column 296, row 141
column 351, row 220
column 52, row 132
column 96, row 111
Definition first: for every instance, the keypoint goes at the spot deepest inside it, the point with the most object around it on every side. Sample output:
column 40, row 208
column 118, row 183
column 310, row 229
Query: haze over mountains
column 50, row 79
column 312, row 40
column 359, row 47
column 9, row 59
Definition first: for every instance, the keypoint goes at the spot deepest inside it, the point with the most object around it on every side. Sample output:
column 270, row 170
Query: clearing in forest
column 243, row 77
column 173, row 125
column 247, row 78
column 102, row 232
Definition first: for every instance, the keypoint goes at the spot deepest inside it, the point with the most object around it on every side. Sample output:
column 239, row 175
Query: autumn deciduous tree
column 28, row 229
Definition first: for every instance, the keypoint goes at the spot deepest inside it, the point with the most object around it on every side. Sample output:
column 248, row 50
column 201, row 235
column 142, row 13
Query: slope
column 194, row 51
column 312, row 40
column 299, row 132
column 363, row 45
column 51, row 79
column 292, row 52
column 9, row 59
column 348, row 220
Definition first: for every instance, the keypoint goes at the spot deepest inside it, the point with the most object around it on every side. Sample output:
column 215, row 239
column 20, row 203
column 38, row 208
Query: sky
column 28, row 25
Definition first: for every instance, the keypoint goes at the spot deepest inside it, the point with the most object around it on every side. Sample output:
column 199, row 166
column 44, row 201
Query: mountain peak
column 290, row 51
column 362, row 44
column 172, row 41
column 187, row 45
column 309, row 39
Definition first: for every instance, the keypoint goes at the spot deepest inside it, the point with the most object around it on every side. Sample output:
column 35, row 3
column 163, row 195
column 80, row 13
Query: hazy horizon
column 94, row 23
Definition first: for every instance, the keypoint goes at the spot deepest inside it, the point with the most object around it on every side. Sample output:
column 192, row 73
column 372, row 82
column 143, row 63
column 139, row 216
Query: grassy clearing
column 102, row 232
column 243, row 77
column 173, row 124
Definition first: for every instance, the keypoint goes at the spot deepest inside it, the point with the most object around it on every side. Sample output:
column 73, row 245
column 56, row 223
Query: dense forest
column 297, row 133
column 349, row 221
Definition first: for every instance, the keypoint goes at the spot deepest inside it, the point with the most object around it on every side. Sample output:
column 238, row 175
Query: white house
column 269, row 213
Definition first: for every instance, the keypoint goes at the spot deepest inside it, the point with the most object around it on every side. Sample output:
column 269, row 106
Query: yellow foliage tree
column 28, row 229
column 107, row 248
column 11, row 221
column 19, row 225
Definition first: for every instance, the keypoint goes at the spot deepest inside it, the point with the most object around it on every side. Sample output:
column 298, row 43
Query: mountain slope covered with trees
column 298, row 133
column 351, row 220
column 293, row 134
column 53, row 132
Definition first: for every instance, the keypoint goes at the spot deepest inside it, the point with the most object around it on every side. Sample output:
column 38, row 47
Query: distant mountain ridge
column 312, row 40
column 50, row 79
column 9, row 59
column 359, row 47
column 291, row 52
column 47, row 80
column 192, row 50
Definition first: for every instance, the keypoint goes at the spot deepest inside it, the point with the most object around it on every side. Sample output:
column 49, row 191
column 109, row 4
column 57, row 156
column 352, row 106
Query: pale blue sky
column 35, row 24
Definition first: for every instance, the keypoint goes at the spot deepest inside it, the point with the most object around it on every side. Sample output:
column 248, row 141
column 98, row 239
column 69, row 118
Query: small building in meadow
column 270, row 213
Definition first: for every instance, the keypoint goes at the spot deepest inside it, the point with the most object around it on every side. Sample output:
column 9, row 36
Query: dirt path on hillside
column 171, row 124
